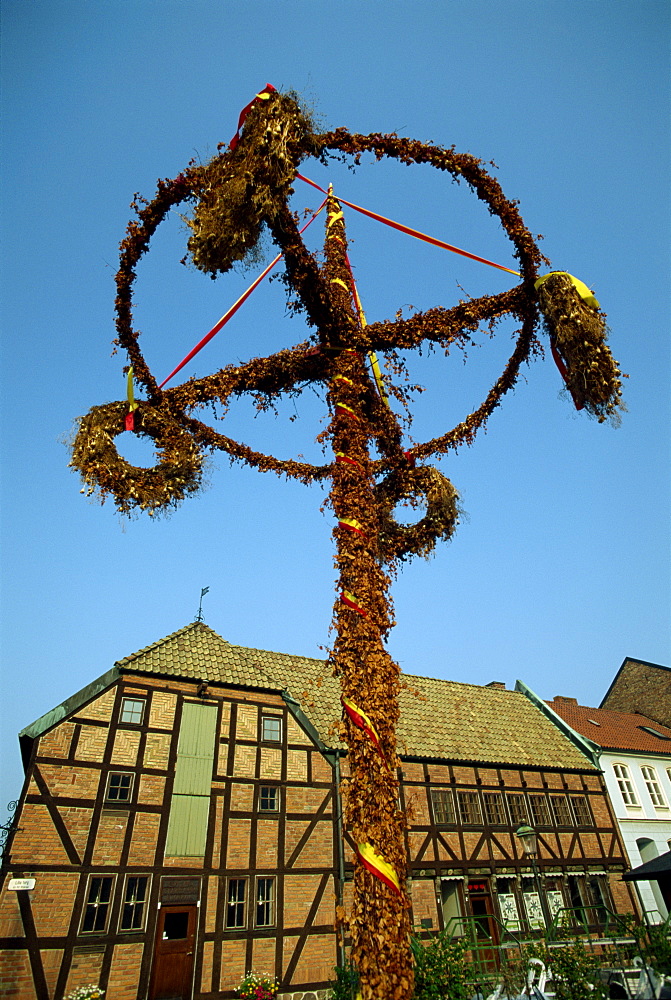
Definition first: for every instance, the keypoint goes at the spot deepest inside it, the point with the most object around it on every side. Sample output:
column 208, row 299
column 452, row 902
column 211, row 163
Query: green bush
column 575, row 973
column 346, row 983
column 441, row 969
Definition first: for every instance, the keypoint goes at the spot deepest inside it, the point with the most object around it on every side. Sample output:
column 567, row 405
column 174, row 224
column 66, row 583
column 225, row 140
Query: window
column 654, row 732
column 269, row 798
column 271, row 728
column 119, row 787
column 653, row 786
column 97, row 906
column 624, row 784
column 494, row 808
column 235, row 903
column 443, row 807
column 581, row 810
column 265, row 902
column 134, row 903
column 539, row 810
column 517, row 807
column 469, row 808
column 560, row 810
column 132, row 710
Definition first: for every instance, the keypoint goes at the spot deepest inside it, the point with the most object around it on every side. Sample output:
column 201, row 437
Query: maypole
column 379, row 923
column 245, row 187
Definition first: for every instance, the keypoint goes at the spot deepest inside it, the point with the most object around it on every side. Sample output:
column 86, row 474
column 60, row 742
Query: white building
column 634, row 753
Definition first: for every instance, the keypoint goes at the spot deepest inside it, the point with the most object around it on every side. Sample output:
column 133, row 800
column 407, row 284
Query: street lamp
column 527, row 835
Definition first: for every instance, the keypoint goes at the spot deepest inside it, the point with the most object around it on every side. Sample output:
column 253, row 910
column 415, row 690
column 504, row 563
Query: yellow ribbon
column 333, row 217
column 347, row 409
column 585, row 293
column 348, row 703
column 350, row 522
column 130, row 393
column 375, row 862
column 339, row 281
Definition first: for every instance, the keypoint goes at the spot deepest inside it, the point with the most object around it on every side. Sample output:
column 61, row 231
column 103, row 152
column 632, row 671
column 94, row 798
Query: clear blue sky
column 562, row 567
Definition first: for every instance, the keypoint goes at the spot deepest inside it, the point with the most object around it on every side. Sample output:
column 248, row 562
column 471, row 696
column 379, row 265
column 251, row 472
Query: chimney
column 496, row 684
column 565, row 700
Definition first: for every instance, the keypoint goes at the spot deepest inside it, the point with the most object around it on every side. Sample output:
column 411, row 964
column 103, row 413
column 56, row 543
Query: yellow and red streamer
column 348, row 598
column 263, row 95
column 378, row 866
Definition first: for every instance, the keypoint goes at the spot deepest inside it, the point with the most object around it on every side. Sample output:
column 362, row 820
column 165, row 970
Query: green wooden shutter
column 189, row 808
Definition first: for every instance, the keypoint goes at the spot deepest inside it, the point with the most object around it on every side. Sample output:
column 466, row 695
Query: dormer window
column 653, row 732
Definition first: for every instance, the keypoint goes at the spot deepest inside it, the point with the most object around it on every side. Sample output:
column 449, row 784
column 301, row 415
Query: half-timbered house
column 180, row 824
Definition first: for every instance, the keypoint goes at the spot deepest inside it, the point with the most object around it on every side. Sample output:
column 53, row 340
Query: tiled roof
column 439, row 719
column 613, row 730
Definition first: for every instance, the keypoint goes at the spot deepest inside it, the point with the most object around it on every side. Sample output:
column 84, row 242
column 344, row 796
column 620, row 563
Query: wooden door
column 172, row 973
column 484, row 925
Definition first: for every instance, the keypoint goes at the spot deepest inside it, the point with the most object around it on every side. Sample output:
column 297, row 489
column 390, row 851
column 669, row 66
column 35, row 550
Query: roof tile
column 613, row 730
column 438, row 718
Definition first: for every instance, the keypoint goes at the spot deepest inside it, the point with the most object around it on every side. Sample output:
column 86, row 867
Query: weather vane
column 244, row 188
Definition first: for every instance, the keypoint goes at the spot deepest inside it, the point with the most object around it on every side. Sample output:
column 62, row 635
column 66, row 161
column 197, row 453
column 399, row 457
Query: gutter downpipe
column 340, row 857
column 300, row 716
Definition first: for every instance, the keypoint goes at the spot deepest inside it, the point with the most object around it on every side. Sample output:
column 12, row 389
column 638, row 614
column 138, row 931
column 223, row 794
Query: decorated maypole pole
column 245, row 187
column 379, row 923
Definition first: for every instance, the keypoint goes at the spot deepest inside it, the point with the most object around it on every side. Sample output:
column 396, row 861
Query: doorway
column 172, row 974
column 484, row 923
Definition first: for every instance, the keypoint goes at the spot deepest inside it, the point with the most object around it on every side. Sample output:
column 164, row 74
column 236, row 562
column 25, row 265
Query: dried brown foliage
column 579, row 333
column 235, row 195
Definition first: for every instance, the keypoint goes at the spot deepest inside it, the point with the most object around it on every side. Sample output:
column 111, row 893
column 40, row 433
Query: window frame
column 97, row 903
column 266, row 809
column 626, row 785
column 275, row 720
column 540, row 799
column 237, row 902
column 517, row 797
column 468, row 797
column 583, row 808
column 117, row 801
column 269, row 903
column 442, row 804
column 654, row 787
column 135, row 700
column 560, row 810
column 142, row 903
column 494, row 798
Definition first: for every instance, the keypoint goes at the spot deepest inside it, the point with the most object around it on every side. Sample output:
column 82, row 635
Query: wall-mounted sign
column 21, row 883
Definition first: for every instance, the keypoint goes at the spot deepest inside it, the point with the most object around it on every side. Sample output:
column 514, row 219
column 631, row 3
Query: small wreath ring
column 178, row 470
column 397, row 541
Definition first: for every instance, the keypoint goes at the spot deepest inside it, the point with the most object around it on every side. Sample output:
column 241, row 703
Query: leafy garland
column 241, row 190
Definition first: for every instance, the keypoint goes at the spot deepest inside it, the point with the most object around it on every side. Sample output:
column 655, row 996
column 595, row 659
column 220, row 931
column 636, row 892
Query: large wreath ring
column 421, row 485
column 178, row 470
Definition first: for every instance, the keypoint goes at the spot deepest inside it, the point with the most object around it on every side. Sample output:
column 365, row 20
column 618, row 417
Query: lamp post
column 527, row 835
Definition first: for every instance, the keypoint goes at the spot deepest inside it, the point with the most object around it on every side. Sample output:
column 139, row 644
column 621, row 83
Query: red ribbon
column 412, row 232
column 234, row 308
column 563, row 372
column 268, row 89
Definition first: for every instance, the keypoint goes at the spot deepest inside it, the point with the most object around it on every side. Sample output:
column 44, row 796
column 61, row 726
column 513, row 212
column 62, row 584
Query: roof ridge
column 272, row 652
column 168, row 638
